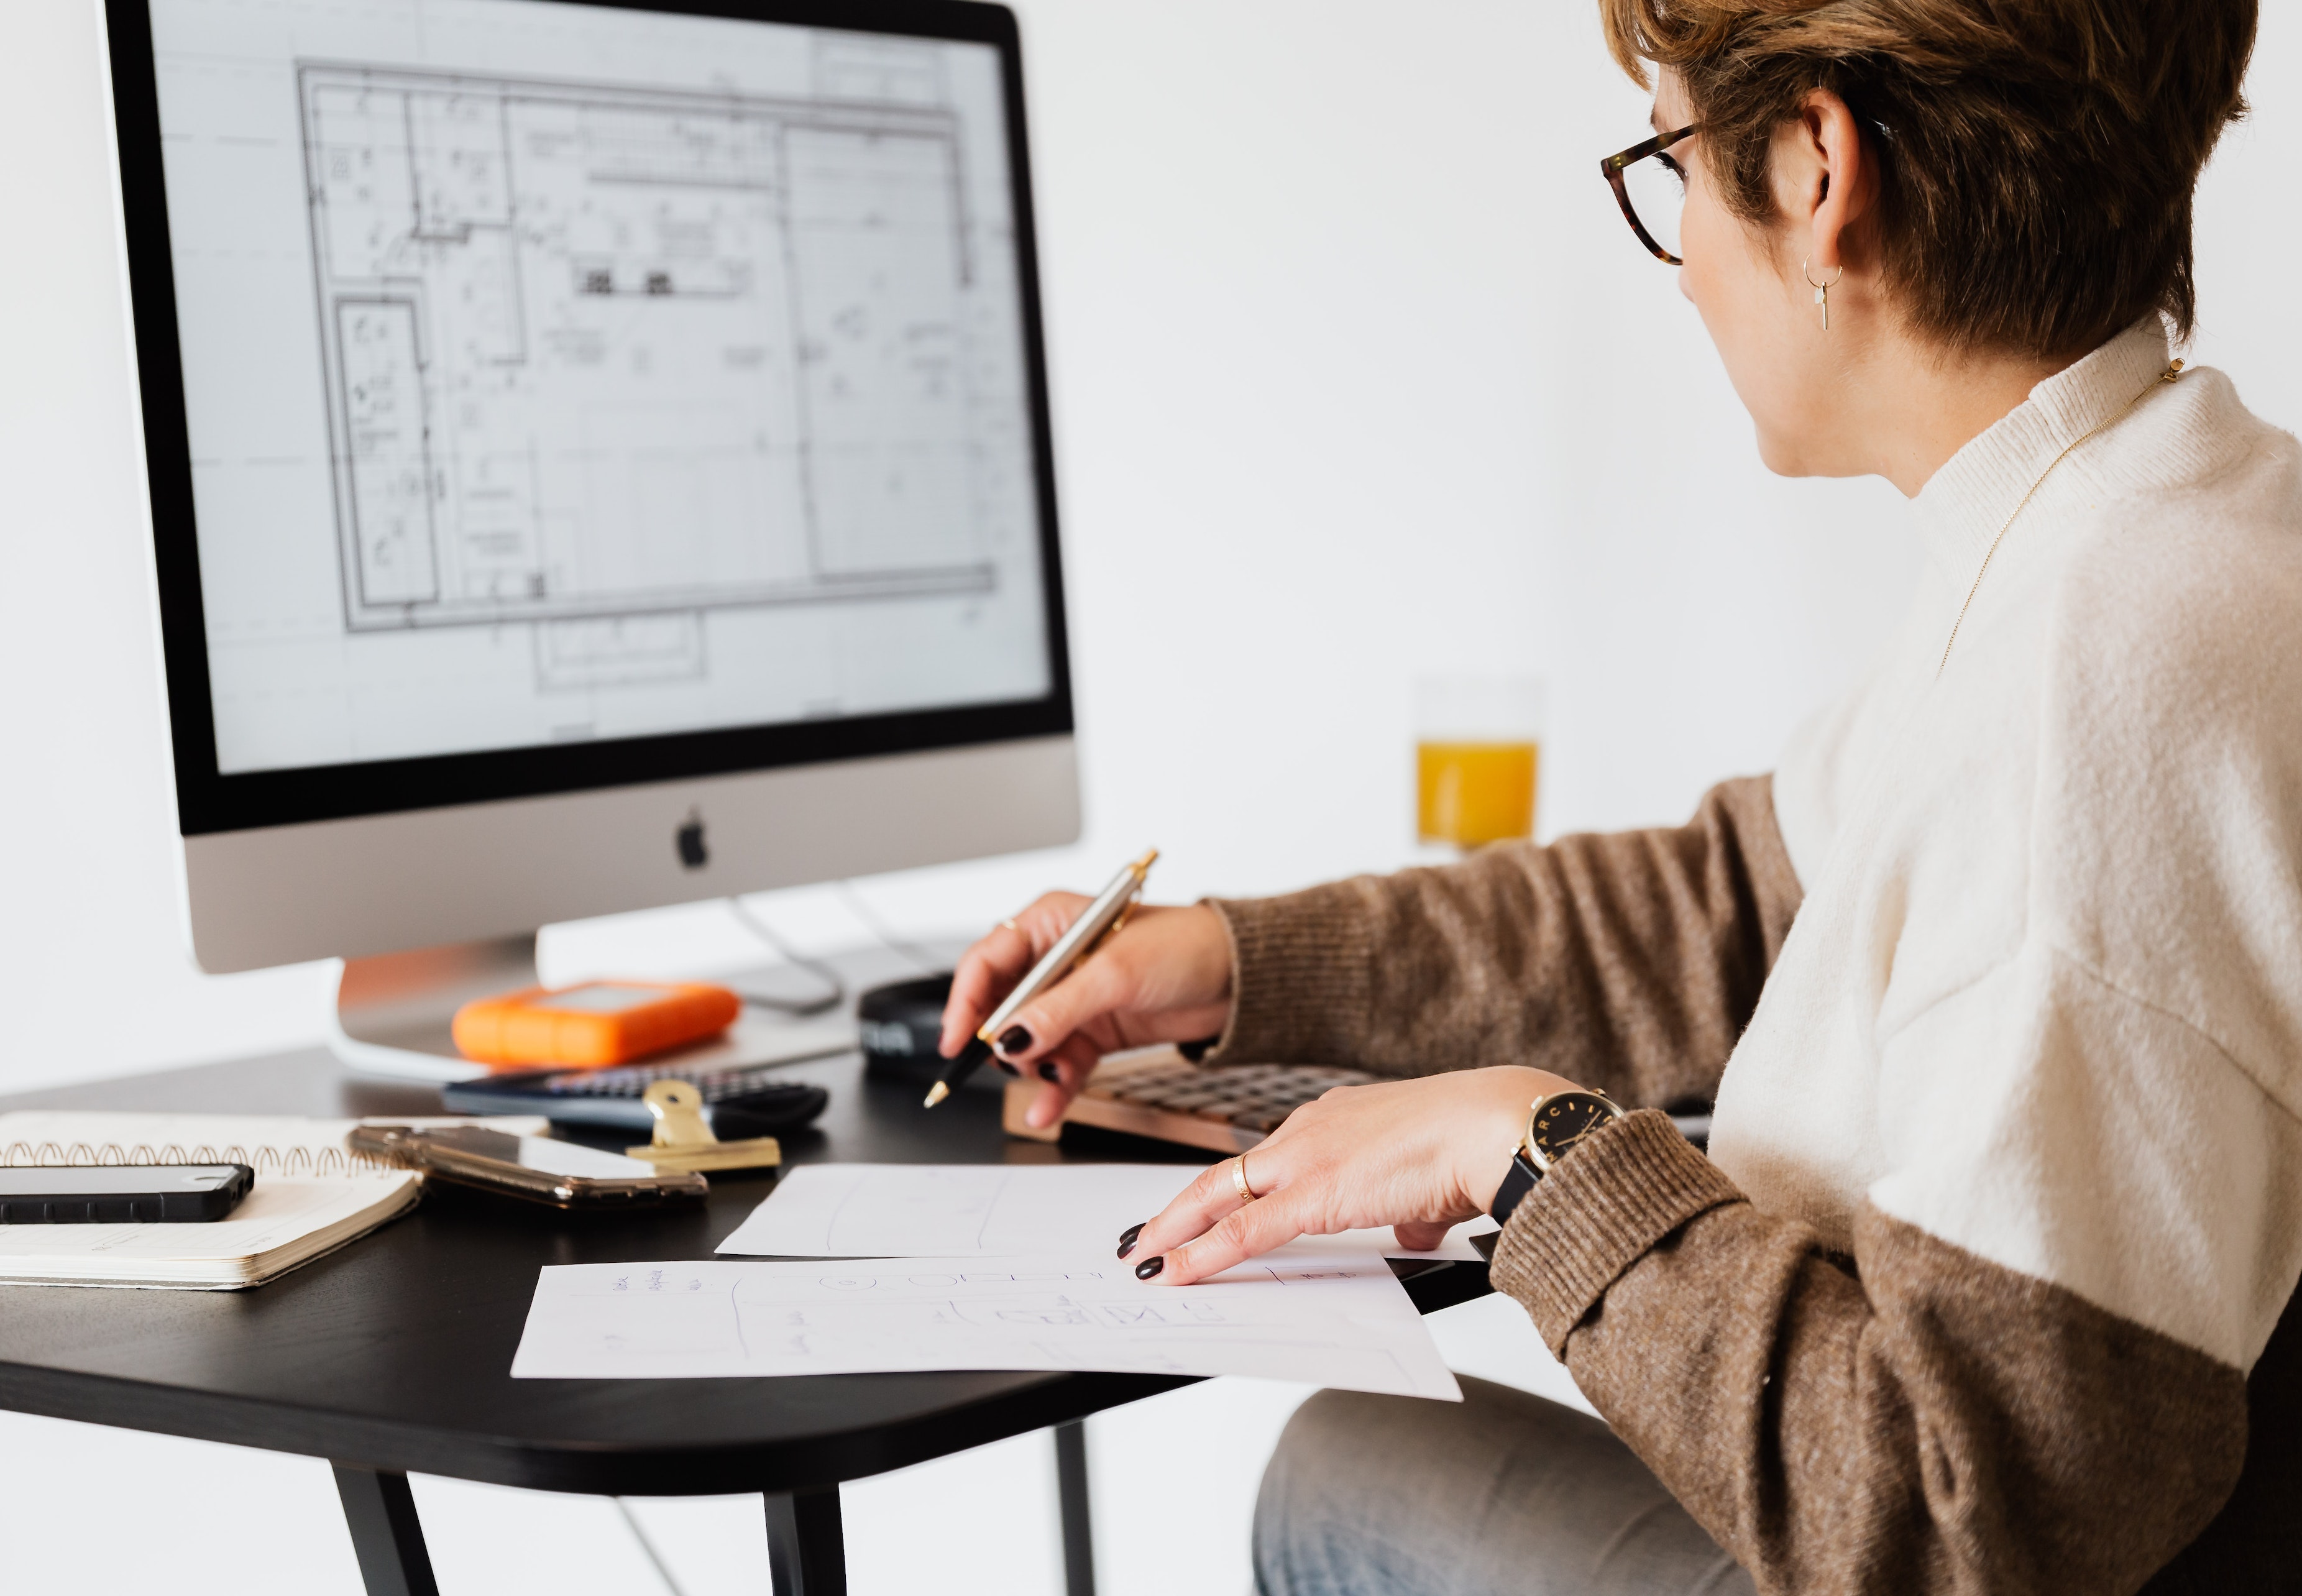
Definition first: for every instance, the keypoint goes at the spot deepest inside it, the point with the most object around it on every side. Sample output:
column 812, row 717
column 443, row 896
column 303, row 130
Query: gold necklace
column 2171, row 373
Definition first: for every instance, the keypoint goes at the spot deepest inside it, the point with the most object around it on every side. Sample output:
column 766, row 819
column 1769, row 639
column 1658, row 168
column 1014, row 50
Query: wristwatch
column 1555, row 1125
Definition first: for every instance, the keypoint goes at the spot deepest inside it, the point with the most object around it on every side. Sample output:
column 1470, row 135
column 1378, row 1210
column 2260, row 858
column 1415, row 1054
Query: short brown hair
column 2037, row 155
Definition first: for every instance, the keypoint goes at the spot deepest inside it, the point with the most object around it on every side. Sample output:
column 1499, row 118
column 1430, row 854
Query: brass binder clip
column 683, row 1142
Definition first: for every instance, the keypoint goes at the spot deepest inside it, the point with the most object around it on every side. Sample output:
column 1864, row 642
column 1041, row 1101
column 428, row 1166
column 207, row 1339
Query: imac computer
column 599, row 458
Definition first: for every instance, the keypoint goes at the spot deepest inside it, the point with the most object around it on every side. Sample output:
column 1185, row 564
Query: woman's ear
column 1825, row 182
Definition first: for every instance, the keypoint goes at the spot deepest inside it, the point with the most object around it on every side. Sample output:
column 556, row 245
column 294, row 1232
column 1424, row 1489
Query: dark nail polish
column 1127, row 1237
column 1047, row 1070
column 1013, row 1040
column 1150, row 1266
column 1011, row 1069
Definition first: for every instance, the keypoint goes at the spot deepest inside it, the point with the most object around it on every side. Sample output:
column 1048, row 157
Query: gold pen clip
column 1108, row 932
column 1140, row 870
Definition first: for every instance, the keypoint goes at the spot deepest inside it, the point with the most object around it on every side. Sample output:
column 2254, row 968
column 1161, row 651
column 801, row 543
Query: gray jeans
column 1504, row 1493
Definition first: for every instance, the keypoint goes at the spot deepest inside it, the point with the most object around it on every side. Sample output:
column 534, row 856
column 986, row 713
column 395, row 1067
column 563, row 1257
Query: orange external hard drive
column 597, row 1023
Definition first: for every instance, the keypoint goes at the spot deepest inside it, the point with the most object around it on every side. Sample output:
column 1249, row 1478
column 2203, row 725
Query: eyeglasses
column 1651, row 186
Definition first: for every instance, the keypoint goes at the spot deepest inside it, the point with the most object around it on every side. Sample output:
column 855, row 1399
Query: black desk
column 393, row 1355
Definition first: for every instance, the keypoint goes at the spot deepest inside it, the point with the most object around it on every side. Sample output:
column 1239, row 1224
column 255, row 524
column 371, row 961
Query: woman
column 1997, row 981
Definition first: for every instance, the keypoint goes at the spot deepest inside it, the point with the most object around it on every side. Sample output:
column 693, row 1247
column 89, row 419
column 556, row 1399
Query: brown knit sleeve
column 1629, row 962
column 1912, row 1419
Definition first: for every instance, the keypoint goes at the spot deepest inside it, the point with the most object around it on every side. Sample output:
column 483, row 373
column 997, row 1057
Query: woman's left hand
column 1422, row 1155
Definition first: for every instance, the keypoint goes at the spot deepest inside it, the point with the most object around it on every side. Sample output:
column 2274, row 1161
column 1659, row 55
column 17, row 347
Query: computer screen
column 568, row 394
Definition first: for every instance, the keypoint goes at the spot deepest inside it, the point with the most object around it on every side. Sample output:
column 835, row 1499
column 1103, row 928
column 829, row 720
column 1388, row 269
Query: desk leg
column 386, row 1535
column 807, row 1549
column 1071, row 1491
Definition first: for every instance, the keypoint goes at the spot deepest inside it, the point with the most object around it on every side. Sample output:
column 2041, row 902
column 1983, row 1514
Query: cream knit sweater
column 2044, row 997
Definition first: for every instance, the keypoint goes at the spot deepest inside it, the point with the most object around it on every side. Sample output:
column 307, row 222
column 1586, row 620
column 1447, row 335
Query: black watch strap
column 1517, row 1181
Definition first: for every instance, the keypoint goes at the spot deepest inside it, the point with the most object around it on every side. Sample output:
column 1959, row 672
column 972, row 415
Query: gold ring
column 1239, row 1179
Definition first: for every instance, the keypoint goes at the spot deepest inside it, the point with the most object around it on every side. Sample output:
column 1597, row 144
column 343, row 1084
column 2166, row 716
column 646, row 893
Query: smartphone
column 538, row 1168
column 123, row 1194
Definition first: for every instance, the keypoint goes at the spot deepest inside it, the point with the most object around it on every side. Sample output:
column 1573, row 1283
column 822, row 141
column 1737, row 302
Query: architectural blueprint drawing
column 599, row 353
column 1344, row 1323
column 560, row 374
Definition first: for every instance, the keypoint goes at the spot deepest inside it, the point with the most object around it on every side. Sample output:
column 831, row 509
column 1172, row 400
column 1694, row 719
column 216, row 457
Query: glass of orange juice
column 1478, row 751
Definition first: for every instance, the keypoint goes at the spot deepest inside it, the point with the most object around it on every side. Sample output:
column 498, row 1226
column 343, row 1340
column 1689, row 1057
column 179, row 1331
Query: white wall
column 1358, row 375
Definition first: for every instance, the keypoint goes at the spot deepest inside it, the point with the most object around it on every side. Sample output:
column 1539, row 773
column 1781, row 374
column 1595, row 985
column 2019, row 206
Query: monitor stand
column 393, row 1015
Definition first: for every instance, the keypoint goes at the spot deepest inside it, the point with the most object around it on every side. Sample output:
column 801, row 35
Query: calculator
column 740, row 1101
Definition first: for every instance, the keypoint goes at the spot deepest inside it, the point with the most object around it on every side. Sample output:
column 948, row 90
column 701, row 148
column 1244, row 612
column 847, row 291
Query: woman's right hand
column 1165, row 977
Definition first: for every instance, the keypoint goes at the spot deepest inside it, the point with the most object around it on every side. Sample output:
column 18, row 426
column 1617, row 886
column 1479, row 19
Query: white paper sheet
column 1345, row 1322
column 983, row 1210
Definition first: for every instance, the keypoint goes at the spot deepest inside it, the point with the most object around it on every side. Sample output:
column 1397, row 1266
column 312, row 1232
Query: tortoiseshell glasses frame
column 1612, row 168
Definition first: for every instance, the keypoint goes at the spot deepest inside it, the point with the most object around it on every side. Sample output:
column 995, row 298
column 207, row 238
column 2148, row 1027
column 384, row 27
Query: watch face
column 1564, row 1120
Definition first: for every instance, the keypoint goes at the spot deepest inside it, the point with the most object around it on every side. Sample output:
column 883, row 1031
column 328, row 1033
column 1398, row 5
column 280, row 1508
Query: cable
column 927, row 964
column 798, row 1008
column 639, row 1534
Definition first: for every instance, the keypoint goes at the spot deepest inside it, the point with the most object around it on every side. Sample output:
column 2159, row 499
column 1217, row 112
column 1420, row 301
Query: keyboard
column 739, row 1100
column 1162, row 1094
column 1228, row 1109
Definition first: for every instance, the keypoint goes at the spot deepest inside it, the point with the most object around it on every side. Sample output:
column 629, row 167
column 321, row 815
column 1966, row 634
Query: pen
column 1105, row 915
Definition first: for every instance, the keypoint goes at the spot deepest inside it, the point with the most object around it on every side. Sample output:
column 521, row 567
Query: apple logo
column 689, row 839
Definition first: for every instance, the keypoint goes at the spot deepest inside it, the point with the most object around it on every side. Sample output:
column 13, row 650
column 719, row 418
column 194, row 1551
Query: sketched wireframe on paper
column 1329, row 1320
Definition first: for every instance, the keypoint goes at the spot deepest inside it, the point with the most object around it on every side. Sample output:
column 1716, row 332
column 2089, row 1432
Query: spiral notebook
column 312, row 1195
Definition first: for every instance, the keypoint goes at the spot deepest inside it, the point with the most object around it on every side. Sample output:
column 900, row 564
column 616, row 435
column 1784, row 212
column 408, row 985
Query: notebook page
column 272, row 1145
column 281, row 1222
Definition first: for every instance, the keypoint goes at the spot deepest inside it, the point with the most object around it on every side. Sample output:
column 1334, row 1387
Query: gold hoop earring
column 1821, row 289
